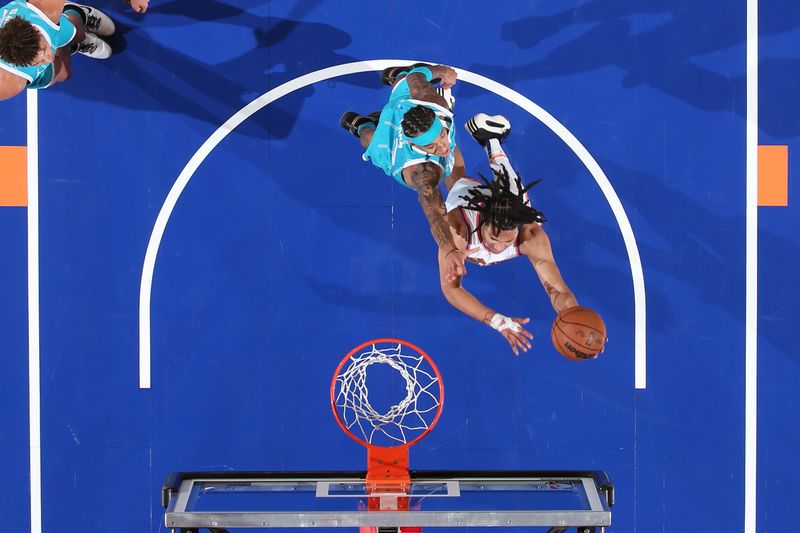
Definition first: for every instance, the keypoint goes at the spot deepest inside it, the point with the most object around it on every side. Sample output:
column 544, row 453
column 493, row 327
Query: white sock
column 499, row 161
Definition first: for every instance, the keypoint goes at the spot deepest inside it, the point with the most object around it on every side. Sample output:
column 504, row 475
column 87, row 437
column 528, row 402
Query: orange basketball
column 578, row 333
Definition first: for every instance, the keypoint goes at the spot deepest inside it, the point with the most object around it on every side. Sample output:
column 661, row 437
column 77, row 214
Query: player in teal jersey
column 413, row 140
column 37, row 38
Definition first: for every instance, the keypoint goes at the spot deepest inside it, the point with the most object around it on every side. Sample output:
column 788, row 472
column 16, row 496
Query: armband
column 425, row 71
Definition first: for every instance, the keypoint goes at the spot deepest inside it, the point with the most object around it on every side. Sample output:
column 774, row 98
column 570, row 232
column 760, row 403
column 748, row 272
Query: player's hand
column 512, row 331
column 519, row 339
column 454, row 264
column 139, row 6
column 447, row 75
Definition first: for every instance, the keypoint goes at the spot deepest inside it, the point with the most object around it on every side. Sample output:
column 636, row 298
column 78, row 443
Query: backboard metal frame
column 179, row 485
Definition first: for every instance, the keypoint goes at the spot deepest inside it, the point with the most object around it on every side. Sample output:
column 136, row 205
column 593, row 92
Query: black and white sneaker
column 94, row 47
column 482, row 127
column 95, row 21
column 351, row 121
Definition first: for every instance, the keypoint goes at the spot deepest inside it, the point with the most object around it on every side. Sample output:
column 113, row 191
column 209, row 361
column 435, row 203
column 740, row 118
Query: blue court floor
column 282, row 250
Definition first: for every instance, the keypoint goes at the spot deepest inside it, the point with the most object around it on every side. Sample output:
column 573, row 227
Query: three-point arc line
column 512, row 96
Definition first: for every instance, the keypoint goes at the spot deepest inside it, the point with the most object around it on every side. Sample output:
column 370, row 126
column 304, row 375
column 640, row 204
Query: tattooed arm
column 421, row 89
column 424, row 178
column 536, row 246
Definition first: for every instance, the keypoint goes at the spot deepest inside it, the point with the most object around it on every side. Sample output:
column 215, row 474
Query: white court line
column 145, row 288
column 751, row 268
column 34, row 396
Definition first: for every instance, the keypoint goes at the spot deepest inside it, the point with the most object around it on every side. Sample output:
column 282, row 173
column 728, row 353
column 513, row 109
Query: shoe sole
column 474, row 128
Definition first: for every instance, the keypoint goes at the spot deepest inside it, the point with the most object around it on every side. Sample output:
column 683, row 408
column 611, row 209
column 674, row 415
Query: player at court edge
column 38, row 37
column 412, row 139
column 494, row 221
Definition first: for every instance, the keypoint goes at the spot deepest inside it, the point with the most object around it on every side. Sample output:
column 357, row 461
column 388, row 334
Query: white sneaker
column 483, row 127
column 94, row 47
column 97, row 22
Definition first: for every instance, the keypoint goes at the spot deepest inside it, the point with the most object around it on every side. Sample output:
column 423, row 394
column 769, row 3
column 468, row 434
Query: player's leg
column 85, row 42
column 62, row 67
column 361, row 126
column 490, row 132
column 93, row 20
column 77, row 21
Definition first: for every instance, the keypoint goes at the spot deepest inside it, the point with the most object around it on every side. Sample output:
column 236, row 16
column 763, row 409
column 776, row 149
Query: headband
column 429, row 136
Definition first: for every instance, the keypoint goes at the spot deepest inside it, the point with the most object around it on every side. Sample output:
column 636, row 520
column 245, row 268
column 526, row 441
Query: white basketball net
column 403, row 421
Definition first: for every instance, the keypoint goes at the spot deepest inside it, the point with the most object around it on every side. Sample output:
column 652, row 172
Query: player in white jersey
column 493, row 221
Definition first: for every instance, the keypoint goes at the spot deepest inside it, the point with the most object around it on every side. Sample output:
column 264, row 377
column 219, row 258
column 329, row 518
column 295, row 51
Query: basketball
column 578, row 333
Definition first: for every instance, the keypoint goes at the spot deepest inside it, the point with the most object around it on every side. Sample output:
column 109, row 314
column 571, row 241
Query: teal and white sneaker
column 94, row 47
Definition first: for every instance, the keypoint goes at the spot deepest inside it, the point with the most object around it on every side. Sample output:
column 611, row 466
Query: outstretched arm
column 421, row 89
column 510, row 328
column 424, row 178
column 536, row 246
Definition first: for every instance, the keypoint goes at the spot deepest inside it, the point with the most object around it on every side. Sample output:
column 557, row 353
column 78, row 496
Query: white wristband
column 500, row 323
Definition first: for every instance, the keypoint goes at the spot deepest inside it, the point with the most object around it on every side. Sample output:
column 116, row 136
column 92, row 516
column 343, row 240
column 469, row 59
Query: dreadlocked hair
column 417, row 120
column 19, row 42
column 499, row 205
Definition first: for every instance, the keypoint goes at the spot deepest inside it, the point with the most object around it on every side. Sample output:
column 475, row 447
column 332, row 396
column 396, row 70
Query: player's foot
column 389, row 75
column 351, row 121
column 482, row 127
column 95, row 21
column 94, row 47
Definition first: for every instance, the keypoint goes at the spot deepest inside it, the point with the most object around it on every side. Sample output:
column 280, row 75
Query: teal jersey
column 390, row 151
column 56, row 35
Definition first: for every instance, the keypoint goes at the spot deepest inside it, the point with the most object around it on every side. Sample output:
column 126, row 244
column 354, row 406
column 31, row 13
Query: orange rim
column 346, row 358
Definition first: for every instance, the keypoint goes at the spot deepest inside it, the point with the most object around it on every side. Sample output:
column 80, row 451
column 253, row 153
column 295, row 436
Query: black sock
column 72, row 8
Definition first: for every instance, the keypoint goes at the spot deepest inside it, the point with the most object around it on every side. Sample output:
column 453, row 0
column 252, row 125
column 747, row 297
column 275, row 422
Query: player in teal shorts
column 37, row 38
column 413, row 140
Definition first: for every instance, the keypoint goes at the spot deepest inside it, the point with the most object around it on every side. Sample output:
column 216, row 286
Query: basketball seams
column 584, row 326
column 561, row 337
column 598, row 329
column 575, row 341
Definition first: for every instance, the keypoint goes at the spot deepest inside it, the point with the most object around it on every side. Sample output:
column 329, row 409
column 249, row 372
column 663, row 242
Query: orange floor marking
column 773, row 175
column 13, row 176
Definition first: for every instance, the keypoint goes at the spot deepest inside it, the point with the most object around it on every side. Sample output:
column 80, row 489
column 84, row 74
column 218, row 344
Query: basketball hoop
column 410, row 386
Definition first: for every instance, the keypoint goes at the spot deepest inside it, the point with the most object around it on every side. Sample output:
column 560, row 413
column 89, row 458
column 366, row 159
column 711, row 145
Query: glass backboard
column 227, row 500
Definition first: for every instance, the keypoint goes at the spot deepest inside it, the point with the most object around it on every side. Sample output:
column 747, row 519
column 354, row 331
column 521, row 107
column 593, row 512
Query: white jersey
column 480, row 254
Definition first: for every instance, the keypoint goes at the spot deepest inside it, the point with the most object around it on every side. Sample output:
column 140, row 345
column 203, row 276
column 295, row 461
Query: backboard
column 227, row 500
